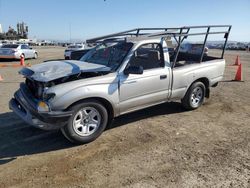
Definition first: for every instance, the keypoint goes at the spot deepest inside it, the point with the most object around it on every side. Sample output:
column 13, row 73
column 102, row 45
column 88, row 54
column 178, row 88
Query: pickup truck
column 72, row 48
column 116, row 77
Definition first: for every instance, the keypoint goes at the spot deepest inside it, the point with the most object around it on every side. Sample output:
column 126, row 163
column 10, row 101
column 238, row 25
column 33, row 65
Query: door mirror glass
column 133, row 70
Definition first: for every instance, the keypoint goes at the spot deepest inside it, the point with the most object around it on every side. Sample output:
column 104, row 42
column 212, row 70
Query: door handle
column 131, row 82
column 163, row 77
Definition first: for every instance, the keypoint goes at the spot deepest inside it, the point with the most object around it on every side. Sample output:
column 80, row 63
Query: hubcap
column 86, row 121
column 196, row 96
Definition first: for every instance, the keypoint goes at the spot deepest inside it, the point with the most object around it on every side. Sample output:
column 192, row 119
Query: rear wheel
column 87, row 122
column 195, row 96
column 23, row 56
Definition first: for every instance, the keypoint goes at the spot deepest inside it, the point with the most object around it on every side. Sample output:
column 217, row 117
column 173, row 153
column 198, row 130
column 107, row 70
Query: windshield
column 110, row 55
column 10, row 46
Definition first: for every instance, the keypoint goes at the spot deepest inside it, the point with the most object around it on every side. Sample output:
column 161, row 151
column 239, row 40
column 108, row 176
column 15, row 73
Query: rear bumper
column 23, row 105
column 15, row 55
column 8, row 57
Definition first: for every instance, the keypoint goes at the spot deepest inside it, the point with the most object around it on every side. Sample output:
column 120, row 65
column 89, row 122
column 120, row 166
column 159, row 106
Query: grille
column 36, row 88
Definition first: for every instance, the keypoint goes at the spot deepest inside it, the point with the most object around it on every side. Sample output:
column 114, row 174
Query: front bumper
column 24, row 105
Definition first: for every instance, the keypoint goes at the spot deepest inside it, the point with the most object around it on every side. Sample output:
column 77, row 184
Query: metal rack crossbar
column 178, row 33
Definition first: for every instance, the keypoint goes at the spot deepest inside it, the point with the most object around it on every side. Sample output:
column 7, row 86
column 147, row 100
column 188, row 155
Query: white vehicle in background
column 71, row 48
column 14, row 51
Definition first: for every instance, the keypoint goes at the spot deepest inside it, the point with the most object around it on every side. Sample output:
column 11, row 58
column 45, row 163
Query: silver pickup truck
column 125, row 72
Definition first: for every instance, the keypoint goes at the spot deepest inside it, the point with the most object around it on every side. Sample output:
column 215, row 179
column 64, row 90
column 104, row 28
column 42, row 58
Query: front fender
column 108, row 92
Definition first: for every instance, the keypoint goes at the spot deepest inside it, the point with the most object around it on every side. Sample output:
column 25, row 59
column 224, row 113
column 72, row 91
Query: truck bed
column 183, row 76
column 187, row 58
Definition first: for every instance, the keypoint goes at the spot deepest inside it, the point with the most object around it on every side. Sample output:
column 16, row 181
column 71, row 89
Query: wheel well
column 104, row 102
column 205, row 81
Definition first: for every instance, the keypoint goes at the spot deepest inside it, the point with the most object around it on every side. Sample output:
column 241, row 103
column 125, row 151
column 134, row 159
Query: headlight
column 43, row 107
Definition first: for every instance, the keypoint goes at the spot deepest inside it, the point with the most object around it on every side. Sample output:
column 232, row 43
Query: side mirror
column 133, row 70
column 31, row 48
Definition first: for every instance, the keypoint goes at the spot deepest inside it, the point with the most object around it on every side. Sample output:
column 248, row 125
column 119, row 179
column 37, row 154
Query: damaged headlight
column 48, row 96
column 43, row 107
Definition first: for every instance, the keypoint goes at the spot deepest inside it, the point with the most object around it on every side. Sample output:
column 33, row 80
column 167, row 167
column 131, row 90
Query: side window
column 149, row 56
column 26, row 47
column 23, row 47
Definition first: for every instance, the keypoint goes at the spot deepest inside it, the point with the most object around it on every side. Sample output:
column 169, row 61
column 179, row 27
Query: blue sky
column 51, row 19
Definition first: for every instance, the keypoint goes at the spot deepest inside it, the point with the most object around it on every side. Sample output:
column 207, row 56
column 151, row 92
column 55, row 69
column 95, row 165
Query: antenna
column 0, row 8
column 70, row 32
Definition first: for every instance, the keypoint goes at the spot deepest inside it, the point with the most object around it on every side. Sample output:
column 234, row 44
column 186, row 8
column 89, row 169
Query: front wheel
column 194, row 97
column 87, row 122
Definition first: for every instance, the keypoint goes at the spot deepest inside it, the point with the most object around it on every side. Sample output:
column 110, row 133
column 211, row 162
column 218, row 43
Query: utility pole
column 70, row 32
column 0, row 10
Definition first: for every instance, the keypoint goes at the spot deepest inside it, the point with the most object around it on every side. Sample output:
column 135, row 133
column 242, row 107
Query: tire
column 194, row 97
column 87, row 123
column 35, row 55
column 23, row 56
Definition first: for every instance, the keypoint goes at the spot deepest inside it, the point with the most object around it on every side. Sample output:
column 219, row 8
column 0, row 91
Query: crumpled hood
column 52, row 70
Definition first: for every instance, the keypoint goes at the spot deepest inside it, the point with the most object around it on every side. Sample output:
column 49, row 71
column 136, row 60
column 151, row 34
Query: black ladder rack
column 178, row 33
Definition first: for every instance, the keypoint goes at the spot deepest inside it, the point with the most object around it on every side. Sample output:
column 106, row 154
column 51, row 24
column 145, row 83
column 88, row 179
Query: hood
column 53, row 70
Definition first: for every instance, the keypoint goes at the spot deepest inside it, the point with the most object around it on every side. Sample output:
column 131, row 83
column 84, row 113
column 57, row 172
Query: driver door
column 149, row 88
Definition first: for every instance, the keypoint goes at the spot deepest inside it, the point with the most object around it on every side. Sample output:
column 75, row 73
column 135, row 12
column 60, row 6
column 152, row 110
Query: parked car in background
column 14, row 51
column 76, row 55
column 71, row 48
column 191, row 48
